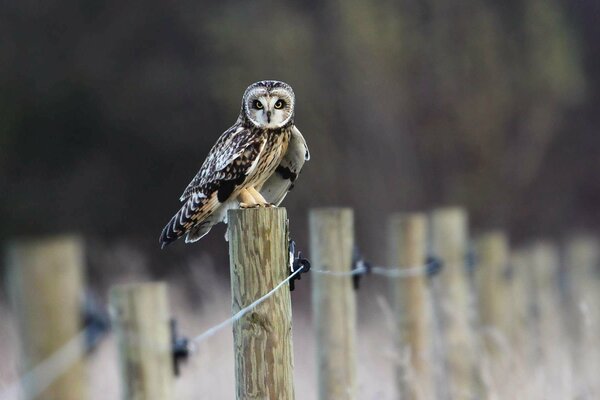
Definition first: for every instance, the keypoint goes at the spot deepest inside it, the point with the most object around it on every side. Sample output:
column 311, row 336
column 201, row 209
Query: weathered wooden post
column 551, row 351
column 334, row 303
column 522, row 302
column 407, row 249
column 494, row 285
column 582, row 261
column 46, row 286
column 449, row 242
column 543, row 256
column 140, row 314
column 258, row 252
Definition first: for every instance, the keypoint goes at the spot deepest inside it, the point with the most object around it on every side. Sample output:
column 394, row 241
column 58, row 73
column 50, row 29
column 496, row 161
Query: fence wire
column 48, row 371
column 362, row 269
column 212, row 331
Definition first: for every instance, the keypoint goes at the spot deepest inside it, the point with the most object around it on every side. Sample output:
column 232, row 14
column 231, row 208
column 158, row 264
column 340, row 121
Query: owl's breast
column 272, row 154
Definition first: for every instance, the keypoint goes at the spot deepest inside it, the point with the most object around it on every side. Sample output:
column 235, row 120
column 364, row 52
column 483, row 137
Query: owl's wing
column 282, row 181
column 229, row 147
column 228, row 164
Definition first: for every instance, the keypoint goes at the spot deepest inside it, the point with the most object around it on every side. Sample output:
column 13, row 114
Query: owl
column 253, row 164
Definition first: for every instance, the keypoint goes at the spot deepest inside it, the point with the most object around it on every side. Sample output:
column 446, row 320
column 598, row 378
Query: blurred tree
column 108, row 108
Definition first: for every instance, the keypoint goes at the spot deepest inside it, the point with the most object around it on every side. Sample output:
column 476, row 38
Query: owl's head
column 269, row 104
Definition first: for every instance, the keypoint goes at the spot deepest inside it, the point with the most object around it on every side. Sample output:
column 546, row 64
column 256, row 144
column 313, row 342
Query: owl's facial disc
column 269, row 109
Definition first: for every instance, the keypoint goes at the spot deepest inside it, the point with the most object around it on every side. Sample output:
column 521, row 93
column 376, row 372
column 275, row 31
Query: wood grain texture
column 46, row 286
column 334, row 303
column 258, row 252
column 449, row 242
column 412, row 306
column 141, row 320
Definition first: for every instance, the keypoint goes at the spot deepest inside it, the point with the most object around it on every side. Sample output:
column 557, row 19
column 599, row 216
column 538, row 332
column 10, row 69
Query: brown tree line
column 108, row 108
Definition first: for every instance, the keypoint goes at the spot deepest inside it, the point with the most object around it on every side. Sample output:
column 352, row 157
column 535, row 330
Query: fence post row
column 412, row 307
column 258, row 253
column 334, row 303
column 46, row 289
column 546, row 311
column 140, row 314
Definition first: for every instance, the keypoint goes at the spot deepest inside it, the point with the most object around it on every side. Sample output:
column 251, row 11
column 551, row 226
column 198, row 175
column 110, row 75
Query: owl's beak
column 269, row 116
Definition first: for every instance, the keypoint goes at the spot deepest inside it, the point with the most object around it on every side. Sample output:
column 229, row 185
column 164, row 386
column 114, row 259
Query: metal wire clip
column 180, row 347
column 297, row 262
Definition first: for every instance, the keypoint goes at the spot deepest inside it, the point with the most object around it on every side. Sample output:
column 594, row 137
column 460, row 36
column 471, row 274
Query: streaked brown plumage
column 244, row 157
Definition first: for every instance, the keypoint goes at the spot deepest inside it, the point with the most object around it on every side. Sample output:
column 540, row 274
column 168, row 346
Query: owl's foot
column 251, row 198
column 246, row 205
column 246, row 200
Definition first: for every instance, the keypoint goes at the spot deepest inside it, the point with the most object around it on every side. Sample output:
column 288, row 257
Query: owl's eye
column 257, row 104
column 279, row 104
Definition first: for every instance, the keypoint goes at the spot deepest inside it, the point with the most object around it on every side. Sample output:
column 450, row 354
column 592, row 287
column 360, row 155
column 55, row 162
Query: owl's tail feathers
column 190, row 218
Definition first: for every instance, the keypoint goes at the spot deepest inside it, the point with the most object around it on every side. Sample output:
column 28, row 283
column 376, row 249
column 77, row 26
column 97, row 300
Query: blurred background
column 108, row 108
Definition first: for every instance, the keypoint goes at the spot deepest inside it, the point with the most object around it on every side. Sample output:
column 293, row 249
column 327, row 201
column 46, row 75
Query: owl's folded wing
column 227, row 160
column 228, row 164
column 282, row 181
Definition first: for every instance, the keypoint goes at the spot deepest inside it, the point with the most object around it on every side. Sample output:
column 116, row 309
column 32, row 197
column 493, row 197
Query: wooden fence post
column 582, row 259
column 140, row 313
column 334, row 303
column 544, row 260
column 522, row 304
column 258, row 252
column 449, row 242
column 494, row 287
column 407, row 249
column 46, row 284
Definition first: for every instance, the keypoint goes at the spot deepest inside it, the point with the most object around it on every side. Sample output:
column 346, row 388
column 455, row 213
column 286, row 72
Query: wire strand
column 49, row 370
column 45, row 373
column 400, row 272
column 212, row 331
column 357, row 271
column 387, row 272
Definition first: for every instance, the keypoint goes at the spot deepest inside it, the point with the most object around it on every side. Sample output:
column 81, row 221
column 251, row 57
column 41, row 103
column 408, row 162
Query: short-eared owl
column 254, row 163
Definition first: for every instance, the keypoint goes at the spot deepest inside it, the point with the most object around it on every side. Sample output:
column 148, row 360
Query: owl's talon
column 246, row 205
